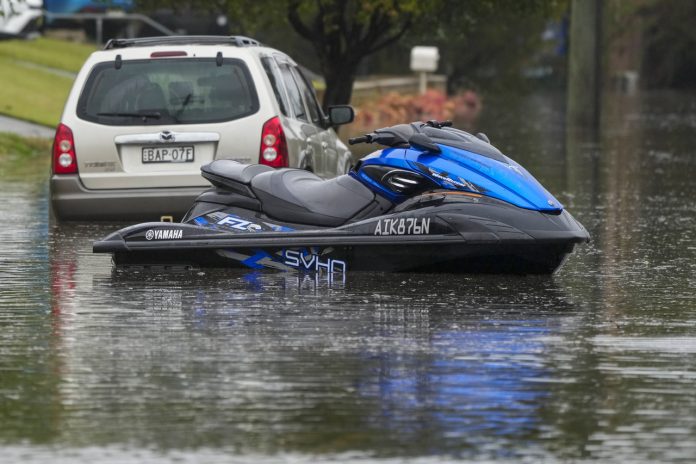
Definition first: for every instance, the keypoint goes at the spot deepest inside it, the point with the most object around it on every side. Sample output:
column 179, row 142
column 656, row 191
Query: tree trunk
column 342, row 43
column 339, row 84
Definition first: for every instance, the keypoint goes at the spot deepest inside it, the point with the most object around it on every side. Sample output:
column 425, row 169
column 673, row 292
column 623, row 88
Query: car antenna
column 118, row 62
column 218, row 59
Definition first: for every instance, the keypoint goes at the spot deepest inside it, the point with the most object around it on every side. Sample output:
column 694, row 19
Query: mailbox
column 424, row 59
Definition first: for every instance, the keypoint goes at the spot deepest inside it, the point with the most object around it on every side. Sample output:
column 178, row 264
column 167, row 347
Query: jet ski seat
column 292, row 195
column 233, row 176
column 295, row 195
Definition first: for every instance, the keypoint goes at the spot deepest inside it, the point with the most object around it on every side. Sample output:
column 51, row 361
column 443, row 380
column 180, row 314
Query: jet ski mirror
column 423, row 142
column 341, row 114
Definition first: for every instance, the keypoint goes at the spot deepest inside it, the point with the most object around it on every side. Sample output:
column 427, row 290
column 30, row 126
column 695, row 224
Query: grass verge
column 59, row 54
column 28, row 88
column 12, row 144
column 23, row 158
column 31, row 94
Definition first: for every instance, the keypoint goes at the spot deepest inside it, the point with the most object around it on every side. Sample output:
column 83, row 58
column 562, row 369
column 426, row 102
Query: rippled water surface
column 597, row 362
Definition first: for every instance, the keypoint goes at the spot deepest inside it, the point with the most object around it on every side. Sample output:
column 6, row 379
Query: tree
column 489, row 40
column 341, row 32
column 469, row 33
column 669, row 37
column 344, row 32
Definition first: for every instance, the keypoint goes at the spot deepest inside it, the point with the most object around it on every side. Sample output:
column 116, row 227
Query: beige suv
column 144, row 114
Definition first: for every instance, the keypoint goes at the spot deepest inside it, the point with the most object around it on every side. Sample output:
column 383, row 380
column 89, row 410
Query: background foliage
column 342, row 39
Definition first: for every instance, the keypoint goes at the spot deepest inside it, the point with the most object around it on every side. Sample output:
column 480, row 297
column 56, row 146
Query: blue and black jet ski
column 435, row 199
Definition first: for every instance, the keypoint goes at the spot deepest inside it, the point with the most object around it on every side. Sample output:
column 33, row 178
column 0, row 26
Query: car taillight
column 274, row 149
column 64, row 158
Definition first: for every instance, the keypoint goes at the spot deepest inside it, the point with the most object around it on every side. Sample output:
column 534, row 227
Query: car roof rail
column 236, row 40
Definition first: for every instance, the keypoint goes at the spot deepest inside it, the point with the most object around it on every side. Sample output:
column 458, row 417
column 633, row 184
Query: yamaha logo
column 166, row 136
column 167, row 234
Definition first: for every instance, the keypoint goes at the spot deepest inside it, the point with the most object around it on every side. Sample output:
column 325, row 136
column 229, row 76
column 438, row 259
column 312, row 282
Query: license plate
column 168, row 154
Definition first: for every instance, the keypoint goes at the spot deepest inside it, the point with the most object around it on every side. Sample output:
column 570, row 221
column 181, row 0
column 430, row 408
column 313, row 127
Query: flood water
column 596, row 362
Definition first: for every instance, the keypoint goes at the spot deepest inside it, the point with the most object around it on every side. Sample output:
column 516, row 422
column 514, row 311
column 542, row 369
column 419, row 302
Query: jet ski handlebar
column 367, row 138
column 398, row 135
column 438, row 124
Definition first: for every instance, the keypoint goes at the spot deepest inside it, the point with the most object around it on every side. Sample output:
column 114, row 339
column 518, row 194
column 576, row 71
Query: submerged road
column 594, row 364
column 24, row 128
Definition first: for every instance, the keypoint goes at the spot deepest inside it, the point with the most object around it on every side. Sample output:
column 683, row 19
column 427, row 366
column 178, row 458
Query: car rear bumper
column 70, row 200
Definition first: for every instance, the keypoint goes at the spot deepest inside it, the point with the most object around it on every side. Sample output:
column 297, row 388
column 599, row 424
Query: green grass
column 23, row 158
column 12, row 144
column 35, row 94
column 59, row 54
column 32, row 94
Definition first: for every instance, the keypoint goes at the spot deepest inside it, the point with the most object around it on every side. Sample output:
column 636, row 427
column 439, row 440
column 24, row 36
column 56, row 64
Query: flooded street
column 596, row 362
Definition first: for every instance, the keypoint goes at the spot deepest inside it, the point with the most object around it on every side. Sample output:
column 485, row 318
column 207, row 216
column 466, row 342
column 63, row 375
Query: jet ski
column 432, row 199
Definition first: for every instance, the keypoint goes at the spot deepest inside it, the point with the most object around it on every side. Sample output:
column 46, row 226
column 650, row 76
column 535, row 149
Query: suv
column 144, row 114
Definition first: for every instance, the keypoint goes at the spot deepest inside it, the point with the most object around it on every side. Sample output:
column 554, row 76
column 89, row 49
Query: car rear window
column 168, row 91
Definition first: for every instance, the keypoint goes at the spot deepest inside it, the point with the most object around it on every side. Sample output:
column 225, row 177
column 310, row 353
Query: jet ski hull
column 454, row 258
column 464, row 235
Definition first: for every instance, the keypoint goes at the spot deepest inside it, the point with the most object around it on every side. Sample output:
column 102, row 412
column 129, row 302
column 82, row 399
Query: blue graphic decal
column 279, row 228
column 253, row 261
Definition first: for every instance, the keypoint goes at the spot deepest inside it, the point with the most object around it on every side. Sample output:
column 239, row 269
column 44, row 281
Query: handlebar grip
column 361, row 139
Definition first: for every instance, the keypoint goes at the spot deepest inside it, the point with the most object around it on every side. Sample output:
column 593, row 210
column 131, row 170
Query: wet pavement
column 25, row 128
column 596, row 362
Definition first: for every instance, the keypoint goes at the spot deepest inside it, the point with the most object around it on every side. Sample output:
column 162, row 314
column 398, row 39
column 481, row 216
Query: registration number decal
column 168, row 154
column 403, row 226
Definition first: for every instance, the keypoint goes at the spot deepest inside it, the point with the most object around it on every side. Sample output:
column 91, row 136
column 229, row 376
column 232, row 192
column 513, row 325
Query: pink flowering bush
column 394, row 108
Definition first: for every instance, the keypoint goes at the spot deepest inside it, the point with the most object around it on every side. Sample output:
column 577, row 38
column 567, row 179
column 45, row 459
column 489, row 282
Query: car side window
column 293, row 93
column 309, row 97
column 275, row 78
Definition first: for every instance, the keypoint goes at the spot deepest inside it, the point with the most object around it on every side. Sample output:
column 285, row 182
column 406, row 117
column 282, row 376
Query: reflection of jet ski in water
column 437, row 199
